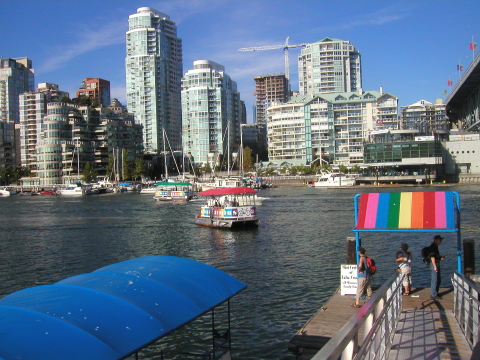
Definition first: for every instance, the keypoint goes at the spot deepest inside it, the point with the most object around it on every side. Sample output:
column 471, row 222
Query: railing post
column 350, row 349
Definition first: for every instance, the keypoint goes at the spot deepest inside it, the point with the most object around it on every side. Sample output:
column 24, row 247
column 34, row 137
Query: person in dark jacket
column 435, row 259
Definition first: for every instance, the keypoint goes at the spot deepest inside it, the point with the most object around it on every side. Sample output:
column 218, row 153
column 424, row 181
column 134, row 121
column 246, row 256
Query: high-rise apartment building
column 16, row 77
column 154, row 71
column 8, row 150
column 95, row 88
column 33, row 108
column 212, row 113
column 269, row 89
column 329, row 65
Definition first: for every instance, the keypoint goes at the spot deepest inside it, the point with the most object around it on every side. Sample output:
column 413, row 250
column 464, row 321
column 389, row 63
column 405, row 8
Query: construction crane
column 285, row 48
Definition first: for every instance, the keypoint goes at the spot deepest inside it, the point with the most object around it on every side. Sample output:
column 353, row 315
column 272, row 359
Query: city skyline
column 411, row 49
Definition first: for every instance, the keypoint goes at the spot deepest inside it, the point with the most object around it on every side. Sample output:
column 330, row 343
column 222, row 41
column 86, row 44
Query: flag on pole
column 473, row 46
column 444, row 91
column 449, row 82
column 459, row 67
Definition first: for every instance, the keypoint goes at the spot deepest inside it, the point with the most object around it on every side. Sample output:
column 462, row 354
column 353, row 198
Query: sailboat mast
column 228, row 149
column 164, row 154
column 241, row 150
column 78, row 161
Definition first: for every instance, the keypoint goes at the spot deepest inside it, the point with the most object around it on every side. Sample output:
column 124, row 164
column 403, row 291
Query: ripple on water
column 290, row 263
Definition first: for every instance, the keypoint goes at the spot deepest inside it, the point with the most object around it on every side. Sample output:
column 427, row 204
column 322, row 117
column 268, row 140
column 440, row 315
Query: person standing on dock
column 435, row 259
column 364, row 279
column 404, row 260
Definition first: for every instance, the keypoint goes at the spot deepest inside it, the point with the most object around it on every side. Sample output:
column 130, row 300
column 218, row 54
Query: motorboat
column 7, row 191
column 173, row 191
column 72, row 190
column 334, row 179
column 221, row 183
column 151, row 190
column 230, row 213
column 46, row 192
column 126, row 186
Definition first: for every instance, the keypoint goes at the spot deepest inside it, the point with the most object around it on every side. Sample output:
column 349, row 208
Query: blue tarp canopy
column 112, row 312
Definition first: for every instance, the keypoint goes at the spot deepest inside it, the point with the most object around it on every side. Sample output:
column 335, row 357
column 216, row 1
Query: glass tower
column 16, row 77
column 212, row 113
column 154, row 72
column 329, row 66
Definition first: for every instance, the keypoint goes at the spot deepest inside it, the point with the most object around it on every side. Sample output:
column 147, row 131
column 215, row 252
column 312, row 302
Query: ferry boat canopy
column 112, row 312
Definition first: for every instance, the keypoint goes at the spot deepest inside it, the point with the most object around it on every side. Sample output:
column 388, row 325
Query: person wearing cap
column 435, row 259
column 404, row 260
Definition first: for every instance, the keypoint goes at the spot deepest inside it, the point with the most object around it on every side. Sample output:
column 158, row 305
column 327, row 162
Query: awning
column 173, row 184
column 415, row 211
column 433, row 211
column 112, row 312
column 228, row 191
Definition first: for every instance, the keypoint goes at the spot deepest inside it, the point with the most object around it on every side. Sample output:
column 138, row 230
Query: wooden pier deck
column 442, row 329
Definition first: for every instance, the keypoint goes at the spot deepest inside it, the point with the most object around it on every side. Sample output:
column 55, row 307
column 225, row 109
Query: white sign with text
column 348, row 281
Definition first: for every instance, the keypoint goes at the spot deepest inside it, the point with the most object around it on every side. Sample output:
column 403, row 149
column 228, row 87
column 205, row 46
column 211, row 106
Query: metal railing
column 378, row 318
column 467, row 307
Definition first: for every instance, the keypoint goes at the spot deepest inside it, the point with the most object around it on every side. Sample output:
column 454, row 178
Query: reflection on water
column 290, row 263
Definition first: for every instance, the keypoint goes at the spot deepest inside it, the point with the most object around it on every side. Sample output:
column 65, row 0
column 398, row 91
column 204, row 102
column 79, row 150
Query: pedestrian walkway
column 427, row 334
column 426, row 329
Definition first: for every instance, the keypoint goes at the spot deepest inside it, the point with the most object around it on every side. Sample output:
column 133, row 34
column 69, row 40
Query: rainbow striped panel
column 406, row 210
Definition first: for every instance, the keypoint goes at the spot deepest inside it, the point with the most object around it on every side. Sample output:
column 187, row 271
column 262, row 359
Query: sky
column 409, row 48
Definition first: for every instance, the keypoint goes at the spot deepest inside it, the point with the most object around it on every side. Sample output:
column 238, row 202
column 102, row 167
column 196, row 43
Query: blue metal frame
column 358, row 241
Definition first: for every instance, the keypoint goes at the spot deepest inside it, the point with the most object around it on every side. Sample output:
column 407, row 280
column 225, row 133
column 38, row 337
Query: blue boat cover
column 112, row 312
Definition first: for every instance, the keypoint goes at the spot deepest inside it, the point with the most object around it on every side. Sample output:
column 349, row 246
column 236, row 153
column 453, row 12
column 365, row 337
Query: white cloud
column 89, row 39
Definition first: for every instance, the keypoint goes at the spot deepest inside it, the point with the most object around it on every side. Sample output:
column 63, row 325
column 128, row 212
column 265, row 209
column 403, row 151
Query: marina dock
column 426, row 328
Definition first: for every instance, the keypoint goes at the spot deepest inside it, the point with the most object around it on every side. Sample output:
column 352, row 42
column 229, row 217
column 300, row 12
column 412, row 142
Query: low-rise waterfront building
column 426, row 117
column 462, row 161
column 331, row 127
column 402, row 156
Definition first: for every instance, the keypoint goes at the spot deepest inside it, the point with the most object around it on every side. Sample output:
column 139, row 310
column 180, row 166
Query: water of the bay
column 291, row 263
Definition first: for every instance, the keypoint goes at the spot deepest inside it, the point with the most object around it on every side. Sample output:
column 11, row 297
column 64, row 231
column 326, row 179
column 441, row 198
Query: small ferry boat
column 237, row 210
column 334, row 179
column 173, row 191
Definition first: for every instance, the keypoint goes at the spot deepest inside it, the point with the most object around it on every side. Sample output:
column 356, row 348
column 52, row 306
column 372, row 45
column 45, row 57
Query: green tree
column 127, row 166
column 206, row 168
column 355, row 168
column 248, row 164
column 65, row 99
column 89, row 173
column 7, row 175
column 342, row 168
column 269, row 171
column 84, row 100
column 139, row 168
